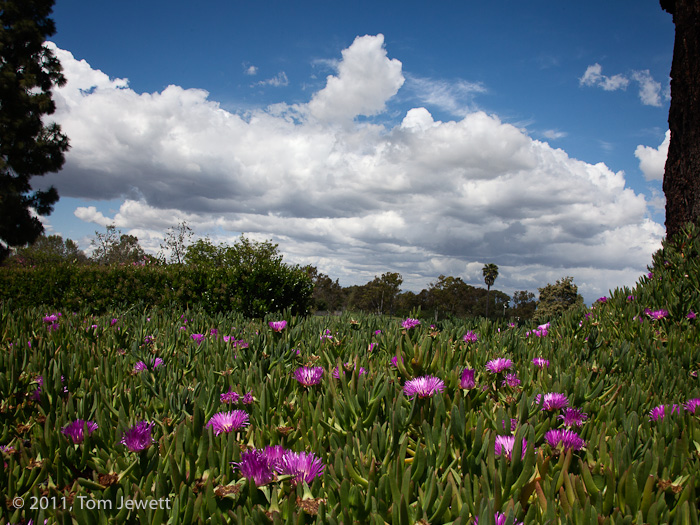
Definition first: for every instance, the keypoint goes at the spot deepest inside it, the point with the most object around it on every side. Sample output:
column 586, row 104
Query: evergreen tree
column 28, row 146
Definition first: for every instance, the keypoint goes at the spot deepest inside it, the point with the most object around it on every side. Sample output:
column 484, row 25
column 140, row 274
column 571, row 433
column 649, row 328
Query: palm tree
column 490, row 272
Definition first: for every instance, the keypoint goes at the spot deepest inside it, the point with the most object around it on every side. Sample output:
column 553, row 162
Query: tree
column 45, row 251
column 490, row 272
column 328, row 295
column 115, row 247
column 449, row 295
column 556, row 299
column 379, row 295
column 524, row 305
column 682, row 174
column 28, row 146
column 175, row 242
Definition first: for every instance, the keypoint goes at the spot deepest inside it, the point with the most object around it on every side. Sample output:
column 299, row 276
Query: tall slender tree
column 28, row 146
column 682, row 175
column 490, row 272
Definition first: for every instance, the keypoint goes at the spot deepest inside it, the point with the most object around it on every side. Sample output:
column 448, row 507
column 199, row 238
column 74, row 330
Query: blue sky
column 365, row 137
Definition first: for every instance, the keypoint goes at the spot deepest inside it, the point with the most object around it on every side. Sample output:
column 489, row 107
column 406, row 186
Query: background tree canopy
column 28, row 146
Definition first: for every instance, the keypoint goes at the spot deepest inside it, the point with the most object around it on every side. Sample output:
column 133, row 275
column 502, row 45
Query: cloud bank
column 352, row 197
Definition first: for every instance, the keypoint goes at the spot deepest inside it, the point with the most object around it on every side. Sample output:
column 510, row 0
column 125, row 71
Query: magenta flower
column 470, row 337
column 274, row 455
column 602, row 300
column 304, row 467
column 198, row 338
column 248, row 398
column 692, row 405
column 371, row 346
column 228, row 421
column 141, row 366
column 229, row 397
column 656, row 314
column 498, row 365
column 691, row 315
column 138, row 437
column 410, row 323
column 511, row 380
column 277, row 326
column 541, row 362
column 573, row 417
column 377, row 332
column 564, row 440
column 326, row 335
column 425, row 386
column 540, row 331
column 500, row 519
column 395, row 361
column 308, row 376
column 51, row 319
column 659, row 412
column 467, row 380
column 504, row 446
column 75, row 430
column 552, row 401
column 255, row 466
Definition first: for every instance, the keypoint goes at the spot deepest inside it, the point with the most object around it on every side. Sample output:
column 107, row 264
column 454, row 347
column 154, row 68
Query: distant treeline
column 247, row 276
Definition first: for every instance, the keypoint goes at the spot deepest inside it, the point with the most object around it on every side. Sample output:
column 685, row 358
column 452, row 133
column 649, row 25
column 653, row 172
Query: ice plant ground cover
column 227, row 429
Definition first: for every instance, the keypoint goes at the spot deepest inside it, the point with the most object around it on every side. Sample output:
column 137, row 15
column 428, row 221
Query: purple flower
column 540, row 331
column 228, row 421
column 395, row 361
column 138, row 437
column 371, row 346
column 75, row 430
column 467, row 380
column 113, row 321
column 552, row 401
column 564, row 439
column 308, row 376
column 198, row 338
column 541, row 362
column 470, row 337
column 51, row 319
column 692, row 405
column 656, row 314
column 630, row 298
column 274, row 455
column 248, row 398
column 377, row 332
column 511, row 380
column 602, row 300
column 255, row 466
column 229, row 397
column 500, row 519
column 498, row 365
column 277, row 326
column 326, row 335
column 573, row 417
column 659, row 412
column 425, row 386
column 304, row 467
column 141, row 366
column 691, row 315
column 504, row 446
column 149, row 340
column 410, row 323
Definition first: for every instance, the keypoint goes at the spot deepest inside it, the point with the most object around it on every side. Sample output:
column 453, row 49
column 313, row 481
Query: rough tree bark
column 682, row 174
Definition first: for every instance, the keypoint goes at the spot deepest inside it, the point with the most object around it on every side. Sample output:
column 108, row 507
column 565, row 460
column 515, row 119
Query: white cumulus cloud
column 652, row 161
column 422, row 197
column 366, row 79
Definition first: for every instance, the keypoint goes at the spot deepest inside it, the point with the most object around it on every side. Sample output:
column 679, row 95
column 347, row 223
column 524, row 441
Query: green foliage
column 557, row 299
column 115, row 247
column 46, row 251
column 28, row 146
column 379, row 295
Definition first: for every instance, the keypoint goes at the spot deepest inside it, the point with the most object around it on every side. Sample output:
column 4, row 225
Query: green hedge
column 268, row 287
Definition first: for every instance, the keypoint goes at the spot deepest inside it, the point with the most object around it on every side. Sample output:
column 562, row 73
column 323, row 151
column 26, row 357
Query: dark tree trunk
column 682, row 175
